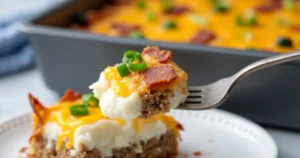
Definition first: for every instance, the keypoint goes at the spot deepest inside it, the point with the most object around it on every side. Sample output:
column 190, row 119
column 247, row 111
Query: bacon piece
column 39, row 110
column 36, row 133
column 70, row 95
column 264, row 8
column 162, row 56
column 23, row 149
column 178, row 10
column 203, row 37
column 197, row 153
column 179, row 126
column 269, row 7
column 37, row 107
column 295, row 28
column 124, row 29
column 159, row 75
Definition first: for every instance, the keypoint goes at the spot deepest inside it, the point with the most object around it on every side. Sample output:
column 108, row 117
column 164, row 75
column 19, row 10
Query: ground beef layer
column 165, row 147
column 155, row 102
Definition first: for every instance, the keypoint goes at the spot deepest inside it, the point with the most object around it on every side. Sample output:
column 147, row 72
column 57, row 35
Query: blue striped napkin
column 16, row 54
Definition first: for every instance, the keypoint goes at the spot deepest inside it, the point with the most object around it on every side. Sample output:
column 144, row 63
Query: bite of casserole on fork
column 143, row 85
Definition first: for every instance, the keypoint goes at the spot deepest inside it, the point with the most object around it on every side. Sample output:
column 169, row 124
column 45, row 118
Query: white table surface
column 14, row 102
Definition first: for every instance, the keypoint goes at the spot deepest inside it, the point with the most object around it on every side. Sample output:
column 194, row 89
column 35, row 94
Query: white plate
column 215, row 133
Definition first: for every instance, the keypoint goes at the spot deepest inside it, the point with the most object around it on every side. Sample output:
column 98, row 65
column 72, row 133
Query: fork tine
column 193, row 100
column 194, row 88
column 194, row 95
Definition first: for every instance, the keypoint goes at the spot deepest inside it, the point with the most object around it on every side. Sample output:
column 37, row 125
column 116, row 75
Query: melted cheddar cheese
column 228, row 34
column 59, row 114
column 134, row 82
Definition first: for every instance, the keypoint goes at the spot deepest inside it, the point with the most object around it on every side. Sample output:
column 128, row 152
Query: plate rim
column 209, row 115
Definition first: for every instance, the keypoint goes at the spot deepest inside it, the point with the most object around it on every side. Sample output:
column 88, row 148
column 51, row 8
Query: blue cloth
column 16, row 54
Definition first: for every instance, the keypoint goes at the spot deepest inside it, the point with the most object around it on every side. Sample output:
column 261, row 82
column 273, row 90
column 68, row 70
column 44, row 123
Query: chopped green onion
column 79, row 110
column 289, row 5
column 284, row 42
column 220, row 7
column 141, row 4
column 250, row 15
column 150, row 16
column 139, row 66
column 136, row 35
column 123, row 69
column 129, row 55
column 167, row 5
column 169, row 25
column 198, row 19
column 90, row 100
column 248, row 19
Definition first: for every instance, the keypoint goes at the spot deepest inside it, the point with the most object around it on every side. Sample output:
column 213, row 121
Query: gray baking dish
column 73, row 59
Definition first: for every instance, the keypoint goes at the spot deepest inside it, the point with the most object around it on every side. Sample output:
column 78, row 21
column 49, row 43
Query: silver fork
column 212, row 95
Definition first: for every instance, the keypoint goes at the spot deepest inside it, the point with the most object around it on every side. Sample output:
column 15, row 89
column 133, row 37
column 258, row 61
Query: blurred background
column 18, row 74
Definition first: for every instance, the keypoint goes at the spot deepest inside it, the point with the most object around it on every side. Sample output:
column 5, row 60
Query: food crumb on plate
column 23, row 149
column 197, row 153
column 210, row 141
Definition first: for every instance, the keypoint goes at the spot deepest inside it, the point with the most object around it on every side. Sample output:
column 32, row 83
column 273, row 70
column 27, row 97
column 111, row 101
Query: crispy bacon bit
column 197, row 153
column 295, row 28
column 178, row 10
column 70, row 95
column 203, row 37
column 36, row 133
column 179, row 126
column 268, row 7
column 264, row 8
column 23, row 149
column 37, row 107
column 159, row 75
column 124, row 29
column 162, row 56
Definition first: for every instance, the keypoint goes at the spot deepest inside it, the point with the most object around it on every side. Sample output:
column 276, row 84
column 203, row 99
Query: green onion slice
column 136, row 35
column 79, row 110
column 247, row 19
column 128, row 55
column 90, row 100
column 123, row 69
column 220, row 7
column 141, row 4
column 139, row 66
column 169, row 25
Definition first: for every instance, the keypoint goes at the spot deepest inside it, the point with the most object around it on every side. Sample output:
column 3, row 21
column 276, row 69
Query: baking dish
column 73, row 59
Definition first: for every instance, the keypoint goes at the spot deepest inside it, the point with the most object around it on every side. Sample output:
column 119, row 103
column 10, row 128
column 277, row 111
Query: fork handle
column 267, row 62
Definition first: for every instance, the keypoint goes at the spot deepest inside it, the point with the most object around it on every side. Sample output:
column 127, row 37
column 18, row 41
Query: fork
column 214, row 94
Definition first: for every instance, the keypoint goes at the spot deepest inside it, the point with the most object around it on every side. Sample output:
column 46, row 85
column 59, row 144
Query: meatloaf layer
column 165, row 147
column 155, row 102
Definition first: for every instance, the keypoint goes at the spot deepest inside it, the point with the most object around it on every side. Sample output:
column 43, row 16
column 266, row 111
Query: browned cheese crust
column 165, row 147
column 155, row 102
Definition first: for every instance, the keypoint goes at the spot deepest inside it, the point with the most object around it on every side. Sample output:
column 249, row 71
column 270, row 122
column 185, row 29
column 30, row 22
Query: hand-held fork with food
column 212, row 95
